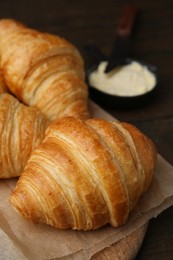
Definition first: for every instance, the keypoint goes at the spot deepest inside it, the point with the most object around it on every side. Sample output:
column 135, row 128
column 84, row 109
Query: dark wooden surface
column 95, row 21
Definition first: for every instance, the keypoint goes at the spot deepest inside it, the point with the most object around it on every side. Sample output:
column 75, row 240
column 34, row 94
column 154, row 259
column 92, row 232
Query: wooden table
column 94, row 21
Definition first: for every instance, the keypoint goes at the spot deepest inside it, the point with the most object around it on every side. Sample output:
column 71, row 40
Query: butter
column 129, row 80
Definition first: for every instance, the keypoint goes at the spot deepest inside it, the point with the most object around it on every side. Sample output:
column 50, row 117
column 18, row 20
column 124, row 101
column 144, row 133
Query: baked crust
column 43, row 70
column 85, row 174
column 22, row 129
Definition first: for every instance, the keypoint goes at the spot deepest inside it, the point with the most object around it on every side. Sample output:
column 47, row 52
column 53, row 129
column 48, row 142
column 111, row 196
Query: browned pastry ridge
column 22, row 128
column 85, row 174
column 43, row 70
column 3, row 87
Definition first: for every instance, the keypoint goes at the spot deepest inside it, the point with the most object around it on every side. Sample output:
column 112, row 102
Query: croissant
column 43, row 70
column 3, row 87
column 21, row 130
column 85, row 174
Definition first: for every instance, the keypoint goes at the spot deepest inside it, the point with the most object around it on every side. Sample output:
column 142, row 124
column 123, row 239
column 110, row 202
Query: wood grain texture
column 125, row 249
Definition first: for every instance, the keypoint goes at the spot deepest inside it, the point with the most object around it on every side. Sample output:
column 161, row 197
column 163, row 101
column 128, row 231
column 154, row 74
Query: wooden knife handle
column 127, row 20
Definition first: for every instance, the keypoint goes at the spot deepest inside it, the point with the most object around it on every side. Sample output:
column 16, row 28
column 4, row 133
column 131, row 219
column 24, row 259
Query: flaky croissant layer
column 85, row 174
column 21, row 130
column 43, row 70
column 3, row 87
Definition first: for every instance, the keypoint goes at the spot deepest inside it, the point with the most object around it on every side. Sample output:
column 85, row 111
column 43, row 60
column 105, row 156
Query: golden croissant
column 43, row 70
column 85, row 174
column 3, row 87
column 21, row 130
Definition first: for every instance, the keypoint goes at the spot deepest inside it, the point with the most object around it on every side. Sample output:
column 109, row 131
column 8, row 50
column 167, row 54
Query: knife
column 122, row 43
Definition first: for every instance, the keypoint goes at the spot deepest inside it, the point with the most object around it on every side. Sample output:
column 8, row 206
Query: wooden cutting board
column 124, row 249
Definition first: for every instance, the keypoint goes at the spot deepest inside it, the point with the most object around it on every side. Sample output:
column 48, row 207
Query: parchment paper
column 22, row 240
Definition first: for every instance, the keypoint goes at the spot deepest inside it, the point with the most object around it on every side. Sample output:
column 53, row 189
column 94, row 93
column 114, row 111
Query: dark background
column 94, row 21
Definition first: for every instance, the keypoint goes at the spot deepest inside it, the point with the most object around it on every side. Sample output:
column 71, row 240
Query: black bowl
column 122, row 102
